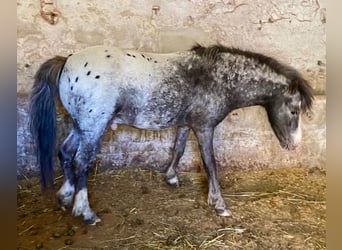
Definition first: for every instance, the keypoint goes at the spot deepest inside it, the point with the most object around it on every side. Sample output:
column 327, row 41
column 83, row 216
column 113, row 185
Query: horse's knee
column 69, row 146
column 63, row 155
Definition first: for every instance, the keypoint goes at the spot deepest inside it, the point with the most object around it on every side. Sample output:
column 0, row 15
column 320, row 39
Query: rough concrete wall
column 291, row 31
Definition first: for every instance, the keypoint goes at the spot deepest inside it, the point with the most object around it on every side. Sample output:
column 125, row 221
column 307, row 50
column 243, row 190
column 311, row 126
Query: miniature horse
column 104, row 86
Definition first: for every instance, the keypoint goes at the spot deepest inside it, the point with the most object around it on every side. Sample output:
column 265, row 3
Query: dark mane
column 296, row 81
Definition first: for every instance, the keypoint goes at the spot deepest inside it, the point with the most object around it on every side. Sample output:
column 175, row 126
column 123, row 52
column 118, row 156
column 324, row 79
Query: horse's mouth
column 289, row 146
column 287, row 143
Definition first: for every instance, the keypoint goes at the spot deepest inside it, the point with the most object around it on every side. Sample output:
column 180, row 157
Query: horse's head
column 284, row 113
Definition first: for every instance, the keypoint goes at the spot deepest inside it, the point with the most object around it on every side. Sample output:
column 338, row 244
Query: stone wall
column 291, row 31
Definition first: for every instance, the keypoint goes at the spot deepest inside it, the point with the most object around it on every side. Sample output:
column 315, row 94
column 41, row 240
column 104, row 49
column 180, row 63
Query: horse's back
column 109, row 63
column 99, row 82
column 120, row 67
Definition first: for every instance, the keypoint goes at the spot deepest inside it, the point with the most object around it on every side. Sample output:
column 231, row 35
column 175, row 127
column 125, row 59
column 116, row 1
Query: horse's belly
column 149, row 121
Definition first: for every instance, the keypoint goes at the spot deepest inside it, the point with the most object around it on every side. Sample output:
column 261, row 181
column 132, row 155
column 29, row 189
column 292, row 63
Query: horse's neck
column 253, row 93
column 249, row 83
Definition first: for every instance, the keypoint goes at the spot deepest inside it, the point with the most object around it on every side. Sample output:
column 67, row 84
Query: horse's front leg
column 178, row 151
column 205, row 141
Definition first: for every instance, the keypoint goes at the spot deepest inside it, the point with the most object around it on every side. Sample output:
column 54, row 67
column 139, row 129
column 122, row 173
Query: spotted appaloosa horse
column 103, row 86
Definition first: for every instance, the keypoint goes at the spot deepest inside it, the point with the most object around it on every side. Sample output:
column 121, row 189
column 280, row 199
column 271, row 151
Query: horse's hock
column 293, row 34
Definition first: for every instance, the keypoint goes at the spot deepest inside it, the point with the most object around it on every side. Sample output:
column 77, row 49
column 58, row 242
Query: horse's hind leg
column 66, row 155
column 205, row 141
column 178, row 151
column 86, row 153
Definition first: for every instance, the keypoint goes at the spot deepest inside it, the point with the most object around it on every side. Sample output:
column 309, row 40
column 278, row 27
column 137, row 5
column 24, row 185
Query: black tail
column 43, row 115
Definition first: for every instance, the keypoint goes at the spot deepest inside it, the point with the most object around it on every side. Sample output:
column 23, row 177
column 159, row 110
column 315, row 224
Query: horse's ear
column 293, row 86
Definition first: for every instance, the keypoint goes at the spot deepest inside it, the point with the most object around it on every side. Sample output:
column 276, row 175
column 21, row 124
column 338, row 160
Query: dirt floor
column 272, row 209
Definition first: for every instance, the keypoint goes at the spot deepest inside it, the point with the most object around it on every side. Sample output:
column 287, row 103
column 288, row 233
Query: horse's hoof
column 65, row 202
column 224, row 212
column 92, row 221
column 173, row 181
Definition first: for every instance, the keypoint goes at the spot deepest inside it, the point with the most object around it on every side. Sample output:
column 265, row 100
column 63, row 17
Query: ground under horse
column 102, row 86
